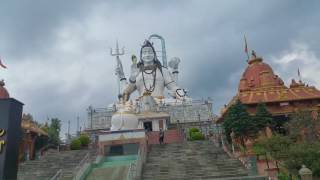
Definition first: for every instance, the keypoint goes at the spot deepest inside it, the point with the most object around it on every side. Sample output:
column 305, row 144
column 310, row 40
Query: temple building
column 259, row 83
column 30, row 132
column 186, row 113
column 31, row 136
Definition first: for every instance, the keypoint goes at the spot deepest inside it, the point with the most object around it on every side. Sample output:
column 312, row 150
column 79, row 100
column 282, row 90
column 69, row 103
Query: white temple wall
column 189, row 113
column 195, row 112
column 100, row 119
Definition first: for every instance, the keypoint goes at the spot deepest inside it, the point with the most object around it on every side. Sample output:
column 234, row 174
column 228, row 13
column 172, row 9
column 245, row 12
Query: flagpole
column 246, row 47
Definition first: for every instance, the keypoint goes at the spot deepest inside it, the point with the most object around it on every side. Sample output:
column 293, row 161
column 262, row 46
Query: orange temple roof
column 259, row 84
column 27, row 124
column 279, row 95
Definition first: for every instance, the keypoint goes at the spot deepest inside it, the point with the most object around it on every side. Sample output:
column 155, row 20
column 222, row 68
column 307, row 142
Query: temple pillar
column 31, row 147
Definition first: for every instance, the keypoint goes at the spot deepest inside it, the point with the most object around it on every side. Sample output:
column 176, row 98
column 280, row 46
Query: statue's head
column 147, row 53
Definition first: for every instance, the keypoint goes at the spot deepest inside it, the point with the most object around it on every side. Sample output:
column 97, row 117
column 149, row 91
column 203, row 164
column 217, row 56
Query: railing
column 78, row 171
column 247, row 178
column 57, row 176
column 135, row 168
column 182, row 131
column 132, row 172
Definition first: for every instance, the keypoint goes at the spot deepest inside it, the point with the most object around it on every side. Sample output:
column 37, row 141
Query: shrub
column 84, row 139
column 304, row 153
column 192, row 130
column 283, row 176
column 197, row 136
column 259, row 149
column 75, row 144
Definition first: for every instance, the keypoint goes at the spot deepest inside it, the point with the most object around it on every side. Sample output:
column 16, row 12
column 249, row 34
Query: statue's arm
column 172, row 86
column 131, row 87
column 169, row 82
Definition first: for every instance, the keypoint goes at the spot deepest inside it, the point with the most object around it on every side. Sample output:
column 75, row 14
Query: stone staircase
column 51, row 163
column 191, row 160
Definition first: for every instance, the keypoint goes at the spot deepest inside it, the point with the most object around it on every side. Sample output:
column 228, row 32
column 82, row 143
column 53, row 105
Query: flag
column 2, row 65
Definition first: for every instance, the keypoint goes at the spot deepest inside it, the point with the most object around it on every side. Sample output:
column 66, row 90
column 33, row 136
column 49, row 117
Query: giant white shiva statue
column 150, row 78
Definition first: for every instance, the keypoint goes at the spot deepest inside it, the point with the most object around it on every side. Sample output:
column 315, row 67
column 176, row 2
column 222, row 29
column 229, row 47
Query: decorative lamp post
column 305, row 173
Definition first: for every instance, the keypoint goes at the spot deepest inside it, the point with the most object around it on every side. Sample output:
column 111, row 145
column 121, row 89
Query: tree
column 263, row 117
column 303, row 153
column 54, row 131
column 277, row 145
column 238, row 120
column 303, row 127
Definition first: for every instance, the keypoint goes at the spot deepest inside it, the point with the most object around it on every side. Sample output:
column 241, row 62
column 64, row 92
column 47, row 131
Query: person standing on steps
column 161, row 136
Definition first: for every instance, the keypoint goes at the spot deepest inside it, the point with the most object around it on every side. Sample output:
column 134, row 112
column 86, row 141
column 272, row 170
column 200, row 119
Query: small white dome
column 124, row 121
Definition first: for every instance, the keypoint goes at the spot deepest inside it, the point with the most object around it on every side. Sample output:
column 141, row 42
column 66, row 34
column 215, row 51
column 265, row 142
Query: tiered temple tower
column 260, row 84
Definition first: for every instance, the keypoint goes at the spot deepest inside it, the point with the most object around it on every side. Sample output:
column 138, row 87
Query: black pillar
column 10, row 137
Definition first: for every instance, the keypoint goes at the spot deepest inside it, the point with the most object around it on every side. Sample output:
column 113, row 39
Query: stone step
column 51, row 163
column 190, row 160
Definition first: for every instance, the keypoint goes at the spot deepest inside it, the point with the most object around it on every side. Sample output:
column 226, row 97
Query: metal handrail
column 132, row 171
column 57, row 175
column 246, row 177
column 135, row 168
column 86, row 157
column 81, row 164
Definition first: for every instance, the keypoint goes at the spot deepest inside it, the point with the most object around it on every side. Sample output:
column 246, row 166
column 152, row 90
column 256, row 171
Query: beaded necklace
column 154, row 74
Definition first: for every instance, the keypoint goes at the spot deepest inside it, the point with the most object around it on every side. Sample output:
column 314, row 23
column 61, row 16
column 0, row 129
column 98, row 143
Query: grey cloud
column 206, row 35
column 28, row 27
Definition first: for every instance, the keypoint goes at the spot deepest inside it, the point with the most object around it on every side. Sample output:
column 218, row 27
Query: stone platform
column 170, row 136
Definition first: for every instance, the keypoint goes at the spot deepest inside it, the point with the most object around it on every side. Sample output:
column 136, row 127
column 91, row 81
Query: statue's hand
column 119, row 73
column 181, row 93
column 134, row 72
column 174, row 63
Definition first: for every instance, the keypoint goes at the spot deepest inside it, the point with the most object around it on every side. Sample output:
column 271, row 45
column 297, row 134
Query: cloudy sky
column 57, row 52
